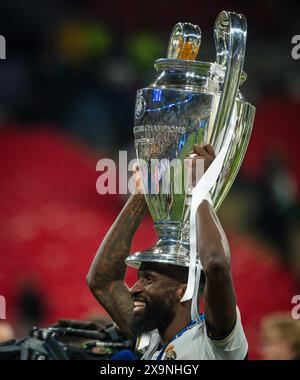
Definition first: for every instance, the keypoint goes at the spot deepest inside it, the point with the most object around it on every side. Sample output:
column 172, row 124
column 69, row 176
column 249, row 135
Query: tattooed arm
column 107, row 273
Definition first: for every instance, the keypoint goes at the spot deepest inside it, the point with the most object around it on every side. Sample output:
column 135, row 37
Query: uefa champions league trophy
column 191, row 102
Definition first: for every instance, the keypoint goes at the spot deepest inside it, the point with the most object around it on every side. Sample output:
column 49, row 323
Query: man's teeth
column 137, row 305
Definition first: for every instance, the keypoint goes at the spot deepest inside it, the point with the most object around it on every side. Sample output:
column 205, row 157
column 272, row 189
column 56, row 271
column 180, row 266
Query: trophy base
column 152, row 255
column 172, row 247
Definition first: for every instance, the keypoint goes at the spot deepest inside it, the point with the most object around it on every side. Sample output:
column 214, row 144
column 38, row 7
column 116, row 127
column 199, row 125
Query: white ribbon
column 199, row 193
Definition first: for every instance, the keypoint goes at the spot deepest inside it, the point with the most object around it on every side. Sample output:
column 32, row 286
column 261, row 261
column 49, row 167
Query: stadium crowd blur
column 67, row 92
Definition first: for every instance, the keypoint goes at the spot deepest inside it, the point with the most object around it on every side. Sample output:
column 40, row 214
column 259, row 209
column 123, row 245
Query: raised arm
column 107, row 272
column 219, row 294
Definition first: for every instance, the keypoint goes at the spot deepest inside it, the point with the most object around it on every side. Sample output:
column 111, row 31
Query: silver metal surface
column 185, row 41
column 191, row 102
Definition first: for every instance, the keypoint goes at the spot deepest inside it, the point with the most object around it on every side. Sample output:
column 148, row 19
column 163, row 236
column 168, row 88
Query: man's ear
column 180, row 291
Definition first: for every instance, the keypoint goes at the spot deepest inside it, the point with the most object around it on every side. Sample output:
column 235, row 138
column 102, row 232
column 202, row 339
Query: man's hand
column 137, row 179
column 204, row 153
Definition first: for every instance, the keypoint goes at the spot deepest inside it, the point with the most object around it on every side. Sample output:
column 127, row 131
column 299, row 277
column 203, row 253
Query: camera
column 68, row 340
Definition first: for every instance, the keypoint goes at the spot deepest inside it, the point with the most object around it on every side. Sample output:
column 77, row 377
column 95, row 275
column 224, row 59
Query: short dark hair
column 176, row 272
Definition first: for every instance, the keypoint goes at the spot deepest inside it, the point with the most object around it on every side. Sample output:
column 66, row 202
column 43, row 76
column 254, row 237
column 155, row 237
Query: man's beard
column 158, row 313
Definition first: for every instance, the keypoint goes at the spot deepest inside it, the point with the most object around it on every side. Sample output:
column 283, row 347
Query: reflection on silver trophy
column 191, row 102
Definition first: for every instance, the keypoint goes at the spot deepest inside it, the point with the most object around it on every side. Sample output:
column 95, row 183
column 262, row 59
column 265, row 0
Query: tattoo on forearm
column 109, row 268
column 116, row 245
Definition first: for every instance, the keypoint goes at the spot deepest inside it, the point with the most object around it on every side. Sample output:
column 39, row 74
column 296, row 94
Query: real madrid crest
column 170, row 354
column 140, row 107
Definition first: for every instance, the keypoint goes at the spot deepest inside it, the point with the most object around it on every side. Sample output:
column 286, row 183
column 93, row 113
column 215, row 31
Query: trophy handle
column 230, row 33
column 184, row 42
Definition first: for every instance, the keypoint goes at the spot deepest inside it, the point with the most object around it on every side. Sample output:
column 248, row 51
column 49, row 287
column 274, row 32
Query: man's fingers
column 200, row 151
column 210, row 150
column 206, row 151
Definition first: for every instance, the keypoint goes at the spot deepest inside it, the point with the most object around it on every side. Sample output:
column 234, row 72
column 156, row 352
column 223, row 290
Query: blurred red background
column 69, row 66
column 52, row 221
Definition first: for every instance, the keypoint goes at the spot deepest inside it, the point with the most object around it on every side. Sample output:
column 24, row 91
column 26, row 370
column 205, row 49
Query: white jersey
column 195, row 344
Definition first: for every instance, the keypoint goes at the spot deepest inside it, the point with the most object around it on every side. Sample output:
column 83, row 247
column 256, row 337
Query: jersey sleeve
column 233, row 347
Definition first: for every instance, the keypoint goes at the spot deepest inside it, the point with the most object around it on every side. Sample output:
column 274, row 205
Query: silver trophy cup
column 191, row 102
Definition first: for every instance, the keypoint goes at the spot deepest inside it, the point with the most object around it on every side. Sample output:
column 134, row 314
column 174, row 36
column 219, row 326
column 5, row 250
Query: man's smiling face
column 155, row 297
